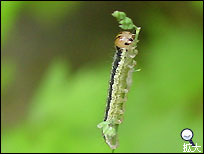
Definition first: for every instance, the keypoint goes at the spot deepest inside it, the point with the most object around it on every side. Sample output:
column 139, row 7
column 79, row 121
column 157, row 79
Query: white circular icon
column 187, row 134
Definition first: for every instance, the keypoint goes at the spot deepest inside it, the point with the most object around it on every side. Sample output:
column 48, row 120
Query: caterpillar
column 119, row 85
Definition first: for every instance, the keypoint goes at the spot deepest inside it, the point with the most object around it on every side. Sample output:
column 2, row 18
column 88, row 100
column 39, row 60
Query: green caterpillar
column 121, row 79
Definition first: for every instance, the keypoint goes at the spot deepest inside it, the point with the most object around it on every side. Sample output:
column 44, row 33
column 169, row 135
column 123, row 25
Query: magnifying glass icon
column 187, row 135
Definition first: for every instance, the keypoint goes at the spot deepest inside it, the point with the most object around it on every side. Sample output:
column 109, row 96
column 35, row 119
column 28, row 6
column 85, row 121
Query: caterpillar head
column 124, row 39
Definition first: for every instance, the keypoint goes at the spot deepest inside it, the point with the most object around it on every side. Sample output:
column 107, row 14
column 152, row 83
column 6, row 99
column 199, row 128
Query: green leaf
column 119, row 15
column 125, row 22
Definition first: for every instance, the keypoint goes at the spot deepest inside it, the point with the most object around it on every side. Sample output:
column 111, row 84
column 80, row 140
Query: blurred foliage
column 7, row 74
column 54, row 11
column 198, row 5
column 65, row 105
column 9, row 12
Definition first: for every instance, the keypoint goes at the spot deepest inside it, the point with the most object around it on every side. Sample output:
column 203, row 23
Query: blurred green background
column 56, row 59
